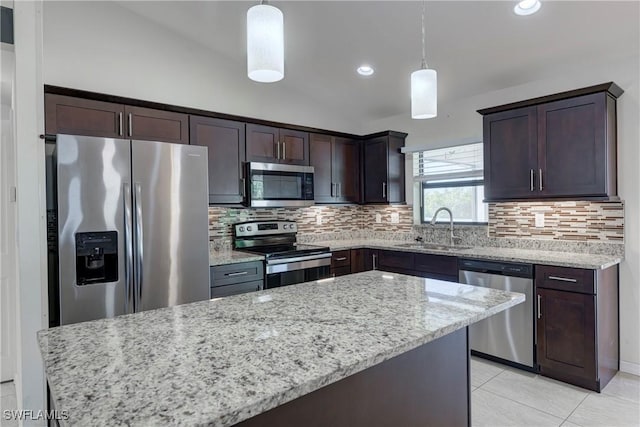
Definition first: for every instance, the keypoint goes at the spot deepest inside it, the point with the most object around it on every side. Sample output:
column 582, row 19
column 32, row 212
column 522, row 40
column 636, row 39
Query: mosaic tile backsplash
column 572, row 221
column 316, row 219
column 589, row 227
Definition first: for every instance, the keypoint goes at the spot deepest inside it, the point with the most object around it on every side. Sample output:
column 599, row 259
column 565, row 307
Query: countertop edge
column 612, row 260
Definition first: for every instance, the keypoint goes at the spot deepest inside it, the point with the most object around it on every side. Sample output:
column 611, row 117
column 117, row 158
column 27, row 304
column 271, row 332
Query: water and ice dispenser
column 96, row 257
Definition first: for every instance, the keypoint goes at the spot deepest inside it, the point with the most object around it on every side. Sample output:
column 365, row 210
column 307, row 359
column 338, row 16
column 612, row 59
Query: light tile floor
column 504, row 396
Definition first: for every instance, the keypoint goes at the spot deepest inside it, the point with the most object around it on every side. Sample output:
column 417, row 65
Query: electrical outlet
column 378, row 218
column 539, row 220
column 395, row 218
column 319, row 219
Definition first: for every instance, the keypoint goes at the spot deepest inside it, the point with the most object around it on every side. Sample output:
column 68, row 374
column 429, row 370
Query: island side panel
column 427, row 386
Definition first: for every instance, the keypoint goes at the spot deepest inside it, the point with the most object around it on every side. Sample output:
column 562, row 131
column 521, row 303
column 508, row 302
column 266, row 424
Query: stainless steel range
column 287, row 262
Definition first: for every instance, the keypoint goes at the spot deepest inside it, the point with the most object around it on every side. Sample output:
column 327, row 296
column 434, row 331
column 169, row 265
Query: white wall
column 32, row 238
column 458, row 122
column 103, row 47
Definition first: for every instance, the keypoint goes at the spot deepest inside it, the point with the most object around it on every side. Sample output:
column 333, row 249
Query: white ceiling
column 475, row 46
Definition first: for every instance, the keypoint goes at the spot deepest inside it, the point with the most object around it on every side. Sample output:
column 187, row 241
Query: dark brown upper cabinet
column 336, row 163
column 78, row 116
column 156, row 125
column 225, row 140
column 383, row 164
column 511, row 156
column 275, row 145
column 561, row 146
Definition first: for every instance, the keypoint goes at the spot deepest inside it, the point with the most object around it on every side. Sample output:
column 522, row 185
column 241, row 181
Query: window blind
column 460, row 163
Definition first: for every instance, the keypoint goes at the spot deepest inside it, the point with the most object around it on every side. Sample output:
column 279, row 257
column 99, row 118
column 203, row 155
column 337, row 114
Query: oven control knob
column 284, row 226
column 241, row 229
column 249, row 228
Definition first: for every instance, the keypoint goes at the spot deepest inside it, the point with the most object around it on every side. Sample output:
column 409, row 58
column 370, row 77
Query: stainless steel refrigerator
column 128, row 226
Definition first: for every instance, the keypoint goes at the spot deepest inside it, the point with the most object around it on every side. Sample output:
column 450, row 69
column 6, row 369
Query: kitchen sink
column 432, row 246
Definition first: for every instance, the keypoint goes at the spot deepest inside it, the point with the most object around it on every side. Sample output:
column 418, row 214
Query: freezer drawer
column 235, row 289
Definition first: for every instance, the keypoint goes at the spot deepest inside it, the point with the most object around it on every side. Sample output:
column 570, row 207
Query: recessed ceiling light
column 527, row 7
column 365, row 70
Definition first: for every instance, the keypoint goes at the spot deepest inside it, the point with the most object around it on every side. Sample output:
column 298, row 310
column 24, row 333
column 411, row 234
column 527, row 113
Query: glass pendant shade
column 424, row 94
column 265, row 44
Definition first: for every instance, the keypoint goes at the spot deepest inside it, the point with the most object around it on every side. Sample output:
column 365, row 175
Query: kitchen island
column 362, row 347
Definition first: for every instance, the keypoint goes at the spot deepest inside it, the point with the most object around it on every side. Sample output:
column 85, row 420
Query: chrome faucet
column 433, row 222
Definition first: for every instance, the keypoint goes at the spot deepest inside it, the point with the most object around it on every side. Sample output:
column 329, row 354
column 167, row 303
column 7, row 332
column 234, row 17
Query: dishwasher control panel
column 503, row 268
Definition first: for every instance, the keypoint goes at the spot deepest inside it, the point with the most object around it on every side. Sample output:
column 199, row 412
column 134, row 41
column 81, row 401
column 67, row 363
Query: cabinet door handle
column 332, row 192
column 563, row 279
column 531, row 180
column 540, row 176
column 374, row 261
column 130, row 125
column 539, row 306
column 342, row 258
column 339, row 190
column 239, row 273
column 384, row 190
column 120, row 123
column 284, row 150
column 278, row 150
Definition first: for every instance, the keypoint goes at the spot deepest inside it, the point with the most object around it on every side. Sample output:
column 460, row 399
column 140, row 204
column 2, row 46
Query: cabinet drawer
column 565, row 279
column 235, row 289
column 340, row 259
column 236, row 273
column 439, row 264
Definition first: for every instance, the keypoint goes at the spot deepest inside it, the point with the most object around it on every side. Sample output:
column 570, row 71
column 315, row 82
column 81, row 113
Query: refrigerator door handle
column 137, row 203
column 128, row 249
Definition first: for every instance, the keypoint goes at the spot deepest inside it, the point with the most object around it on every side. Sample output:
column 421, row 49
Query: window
column 451, row 177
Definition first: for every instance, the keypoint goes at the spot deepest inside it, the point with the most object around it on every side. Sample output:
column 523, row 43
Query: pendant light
column 265, row 43
column 424, row 86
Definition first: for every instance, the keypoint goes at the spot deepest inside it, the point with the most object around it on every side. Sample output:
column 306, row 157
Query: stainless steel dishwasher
column 509, row 335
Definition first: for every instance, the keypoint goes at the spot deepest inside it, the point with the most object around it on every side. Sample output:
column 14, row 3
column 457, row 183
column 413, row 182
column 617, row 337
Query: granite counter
column 223, row 361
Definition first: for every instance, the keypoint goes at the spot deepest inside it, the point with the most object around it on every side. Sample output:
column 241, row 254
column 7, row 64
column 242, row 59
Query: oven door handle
column 298, row 259
column 299, row 265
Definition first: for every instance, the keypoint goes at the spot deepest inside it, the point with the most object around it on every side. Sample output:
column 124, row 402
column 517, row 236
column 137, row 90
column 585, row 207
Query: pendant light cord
column 424, row 61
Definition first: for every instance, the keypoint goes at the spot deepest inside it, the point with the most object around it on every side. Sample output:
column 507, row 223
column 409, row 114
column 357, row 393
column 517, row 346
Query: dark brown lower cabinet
column 426, row 386
column 341, row 262
column 395, row 261
column 441, row 267
column 577, row 325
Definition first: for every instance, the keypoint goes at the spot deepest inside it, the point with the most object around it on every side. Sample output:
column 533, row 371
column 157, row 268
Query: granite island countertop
column 222, row 361
column 560, row 259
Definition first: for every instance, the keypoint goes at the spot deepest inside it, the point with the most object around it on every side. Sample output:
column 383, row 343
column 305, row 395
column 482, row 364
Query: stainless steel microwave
column 273, row 185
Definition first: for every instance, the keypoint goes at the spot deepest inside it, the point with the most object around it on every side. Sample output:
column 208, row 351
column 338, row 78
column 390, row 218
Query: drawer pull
column 239, row 273
column 342, row 258
column 563, row 279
